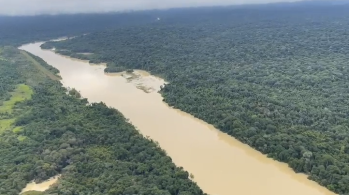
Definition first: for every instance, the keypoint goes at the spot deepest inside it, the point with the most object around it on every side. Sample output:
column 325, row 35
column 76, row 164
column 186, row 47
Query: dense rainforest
column 275, row 78
column 46, row 130
column 18, row 30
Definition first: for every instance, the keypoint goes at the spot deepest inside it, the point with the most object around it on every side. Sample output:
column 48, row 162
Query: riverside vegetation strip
column 200, row 148
column 286, row 67
column 275, row 79
column 91, row 145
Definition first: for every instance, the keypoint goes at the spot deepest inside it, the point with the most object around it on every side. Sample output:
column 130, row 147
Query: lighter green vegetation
column 21, row 93
column 21, row 138
column 17, row 130
column 5, row 124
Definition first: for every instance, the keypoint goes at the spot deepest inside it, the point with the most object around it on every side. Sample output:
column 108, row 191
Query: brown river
column 221, row 165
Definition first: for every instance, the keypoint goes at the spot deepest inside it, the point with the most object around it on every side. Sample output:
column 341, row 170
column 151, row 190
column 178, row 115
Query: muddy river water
column 221, row 165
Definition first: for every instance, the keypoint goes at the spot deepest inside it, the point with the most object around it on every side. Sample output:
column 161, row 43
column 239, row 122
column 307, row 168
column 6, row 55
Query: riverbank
column 219, row 163
column 55, row 132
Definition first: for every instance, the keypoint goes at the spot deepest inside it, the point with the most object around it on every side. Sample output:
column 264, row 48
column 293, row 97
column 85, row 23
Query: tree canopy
column 46, row 131
column 274, row 77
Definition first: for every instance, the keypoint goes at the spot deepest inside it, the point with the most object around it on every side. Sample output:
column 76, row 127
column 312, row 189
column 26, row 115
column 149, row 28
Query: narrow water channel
column 221, row 165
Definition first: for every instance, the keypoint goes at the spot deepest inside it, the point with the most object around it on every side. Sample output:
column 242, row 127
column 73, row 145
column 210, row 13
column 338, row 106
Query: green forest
column 274, row 78
column 46, row 130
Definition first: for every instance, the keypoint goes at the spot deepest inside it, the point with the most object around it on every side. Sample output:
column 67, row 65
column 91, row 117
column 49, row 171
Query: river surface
column 221, row 165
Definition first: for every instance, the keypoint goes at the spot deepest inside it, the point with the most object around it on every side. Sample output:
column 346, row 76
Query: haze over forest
column 34, row 7
column 189, row 101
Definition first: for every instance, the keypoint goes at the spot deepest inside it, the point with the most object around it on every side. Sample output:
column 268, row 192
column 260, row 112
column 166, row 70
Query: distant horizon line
column 56, row 13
